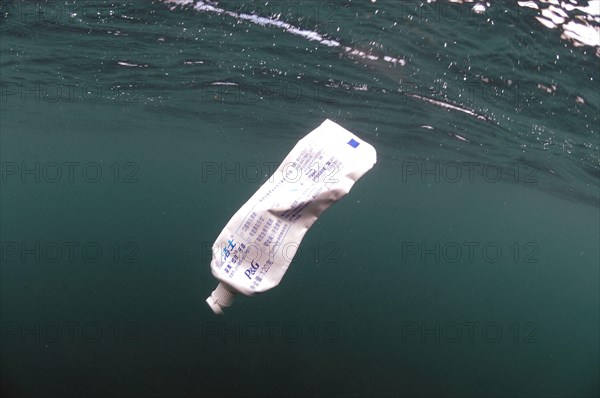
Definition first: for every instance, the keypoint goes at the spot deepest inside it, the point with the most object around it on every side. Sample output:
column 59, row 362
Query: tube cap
column 220, row 297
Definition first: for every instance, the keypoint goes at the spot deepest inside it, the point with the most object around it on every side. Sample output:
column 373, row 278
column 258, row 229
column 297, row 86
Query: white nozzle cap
column 220, row 297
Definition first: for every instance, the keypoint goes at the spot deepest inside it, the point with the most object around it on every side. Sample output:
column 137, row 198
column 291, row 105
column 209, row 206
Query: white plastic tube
column 256, row 247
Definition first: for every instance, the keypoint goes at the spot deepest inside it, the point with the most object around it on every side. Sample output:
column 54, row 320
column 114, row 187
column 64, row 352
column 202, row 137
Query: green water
column 465, row 264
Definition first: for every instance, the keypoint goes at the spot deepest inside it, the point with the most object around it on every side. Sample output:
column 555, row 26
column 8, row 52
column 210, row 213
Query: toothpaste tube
column 255, row 248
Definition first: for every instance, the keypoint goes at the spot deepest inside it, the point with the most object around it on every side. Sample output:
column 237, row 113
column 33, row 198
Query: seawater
column 465, row 264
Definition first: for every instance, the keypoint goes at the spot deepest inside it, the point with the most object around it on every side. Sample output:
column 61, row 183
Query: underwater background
column 464, row 264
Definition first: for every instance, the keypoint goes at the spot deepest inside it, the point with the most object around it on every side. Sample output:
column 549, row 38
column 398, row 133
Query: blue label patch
column 353, row 143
